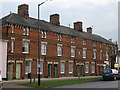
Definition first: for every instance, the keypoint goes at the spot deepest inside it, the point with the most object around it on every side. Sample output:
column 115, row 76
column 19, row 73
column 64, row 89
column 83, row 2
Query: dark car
column 110, row 74
column 119, row 74
column 1, row 82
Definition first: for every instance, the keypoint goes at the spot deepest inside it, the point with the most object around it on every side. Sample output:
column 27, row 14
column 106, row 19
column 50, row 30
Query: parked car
column 110, row 74
column 1, row 82
column 119, row 74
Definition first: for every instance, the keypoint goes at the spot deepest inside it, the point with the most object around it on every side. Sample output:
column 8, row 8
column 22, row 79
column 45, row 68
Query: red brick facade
column 51, row 58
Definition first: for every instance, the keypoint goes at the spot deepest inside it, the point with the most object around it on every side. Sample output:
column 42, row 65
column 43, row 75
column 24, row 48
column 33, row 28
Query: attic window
column 26, row 31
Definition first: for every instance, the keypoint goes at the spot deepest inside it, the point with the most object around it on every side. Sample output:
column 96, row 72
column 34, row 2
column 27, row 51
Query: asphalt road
column 98, row 84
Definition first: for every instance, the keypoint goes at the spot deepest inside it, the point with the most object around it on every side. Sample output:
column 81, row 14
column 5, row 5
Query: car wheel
column 114, row 78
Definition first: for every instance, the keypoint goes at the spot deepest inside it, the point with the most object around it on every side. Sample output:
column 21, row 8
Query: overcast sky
column 102, row 15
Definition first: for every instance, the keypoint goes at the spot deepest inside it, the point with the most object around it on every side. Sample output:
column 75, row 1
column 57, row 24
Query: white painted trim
column 55, row 62
column 28, row 59
column 70, row 61
column 19, row 61
column 11, row 61
column 49, row 62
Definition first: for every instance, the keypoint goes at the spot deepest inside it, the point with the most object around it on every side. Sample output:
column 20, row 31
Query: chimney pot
column 78, row 26
column 54, row 19
column 89, row 30
column 23, row 10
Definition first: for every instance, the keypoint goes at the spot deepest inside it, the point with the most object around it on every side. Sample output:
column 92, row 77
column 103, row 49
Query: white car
column 1, row 82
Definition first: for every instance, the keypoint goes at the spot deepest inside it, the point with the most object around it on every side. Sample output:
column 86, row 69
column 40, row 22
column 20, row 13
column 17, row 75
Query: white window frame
column 72, row 40
column 107, row 56
column 26, row 46
column 43, row 48
column 70, row 67
column 93, row 67
column 87, row 67
column 12, row 29
column 84, row 53
column 26, row 31
column 12, row 44
column 94, row 53
column 59, row 50
column 84, row 42
column 44, row 34
column 62, row 67
column 59, row 37
column 100, row 54
column 94, row 44
column 26, row 67
column 72, row 51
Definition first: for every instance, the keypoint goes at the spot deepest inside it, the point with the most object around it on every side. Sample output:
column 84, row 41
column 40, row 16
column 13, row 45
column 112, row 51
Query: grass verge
column 60, row 82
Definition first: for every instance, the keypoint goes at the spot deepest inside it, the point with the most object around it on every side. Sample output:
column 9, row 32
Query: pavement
column 14, row 83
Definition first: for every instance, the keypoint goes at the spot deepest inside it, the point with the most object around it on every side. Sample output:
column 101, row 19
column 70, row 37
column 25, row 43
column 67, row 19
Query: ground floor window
column 41, row 67
column 86, row 67
column 70, row 67
column 93, row 68
column 62, row 67
column 28, row 67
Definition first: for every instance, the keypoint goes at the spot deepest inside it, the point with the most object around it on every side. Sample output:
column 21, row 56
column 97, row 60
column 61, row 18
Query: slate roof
column 32, row 22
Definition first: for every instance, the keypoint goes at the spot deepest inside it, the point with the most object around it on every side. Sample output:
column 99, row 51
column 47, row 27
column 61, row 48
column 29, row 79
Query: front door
column 10, row 71
column 77, row 70
column 55, row 70
column 49, row 70
column 18, row 70
column 81, row 70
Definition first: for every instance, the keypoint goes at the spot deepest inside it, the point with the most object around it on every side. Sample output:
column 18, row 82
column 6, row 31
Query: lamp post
column 39, row 43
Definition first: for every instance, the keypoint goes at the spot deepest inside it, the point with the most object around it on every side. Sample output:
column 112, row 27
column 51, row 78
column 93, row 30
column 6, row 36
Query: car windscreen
column 107, row 71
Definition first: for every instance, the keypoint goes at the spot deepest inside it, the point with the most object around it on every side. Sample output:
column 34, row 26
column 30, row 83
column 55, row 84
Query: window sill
column 70, row 72
column 43, row 54
column 25, row 52
column 62, row 73
column 72, row 56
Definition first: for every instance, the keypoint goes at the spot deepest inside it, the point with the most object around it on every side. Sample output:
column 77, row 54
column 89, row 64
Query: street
column 99, row 84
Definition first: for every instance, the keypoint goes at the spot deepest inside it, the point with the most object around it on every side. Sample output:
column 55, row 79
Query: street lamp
column 39, row 43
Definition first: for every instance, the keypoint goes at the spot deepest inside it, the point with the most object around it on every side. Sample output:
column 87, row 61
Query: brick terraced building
column 65, row 51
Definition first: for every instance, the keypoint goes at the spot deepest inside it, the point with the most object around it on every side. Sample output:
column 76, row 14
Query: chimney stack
column 89, row 30
column 78, row 26
column 54, row 19
column 23, row 10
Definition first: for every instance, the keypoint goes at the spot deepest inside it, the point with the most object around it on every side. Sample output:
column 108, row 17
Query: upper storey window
column 84, row 42
column 59, row 37
column 12, row 29
column 94, row 44
column 26, row 31
column 44, row 35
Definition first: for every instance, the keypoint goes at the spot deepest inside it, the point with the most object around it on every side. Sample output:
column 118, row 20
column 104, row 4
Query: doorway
column 10, row 71
column 18, row 70
column 49, row 70
column 55, row 70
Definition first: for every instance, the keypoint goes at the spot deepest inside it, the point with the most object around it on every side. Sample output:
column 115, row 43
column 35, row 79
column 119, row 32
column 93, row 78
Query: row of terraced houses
column 64, row 51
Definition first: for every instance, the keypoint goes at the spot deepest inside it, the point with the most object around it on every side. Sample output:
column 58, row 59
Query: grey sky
column 101, row 14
